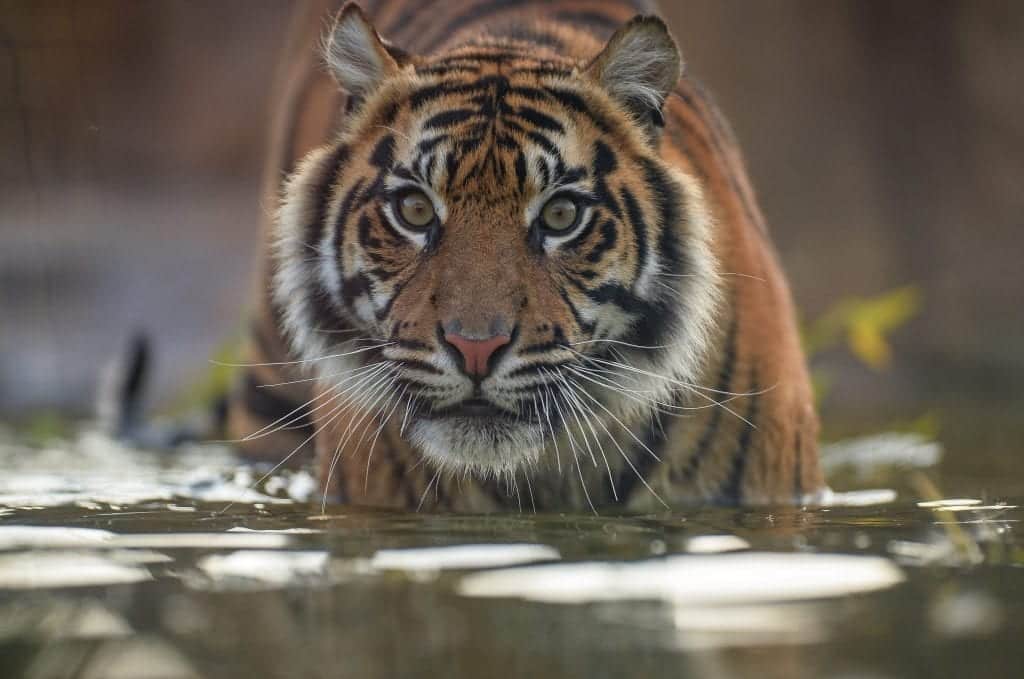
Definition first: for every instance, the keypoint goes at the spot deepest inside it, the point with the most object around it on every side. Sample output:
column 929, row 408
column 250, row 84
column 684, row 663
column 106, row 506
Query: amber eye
column 559, row 214
column 416, row 210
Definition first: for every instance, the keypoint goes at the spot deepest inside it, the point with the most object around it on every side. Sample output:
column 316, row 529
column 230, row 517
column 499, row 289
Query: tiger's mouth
column 474, row 408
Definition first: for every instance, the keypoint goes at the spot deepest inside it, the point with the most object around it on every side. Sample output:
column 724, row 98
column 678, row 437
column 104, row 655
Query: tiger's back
column 742, row 430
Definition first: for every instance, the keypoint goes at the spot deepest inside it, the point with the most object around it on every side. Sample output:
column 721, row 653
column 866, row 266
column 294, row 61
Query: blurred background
column 885, row 139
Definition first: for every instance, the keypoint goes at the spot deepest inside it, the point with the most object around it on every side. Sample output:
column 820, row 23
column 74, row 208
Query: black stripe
column 451, row 164
column 425, row 95
column 636, row 220
column 605, row 163
column 537, row 119
column 614, row 293
column 323, row 192
column 412, row 345
column 542, row 169
column 423, row 366
column 580, row 238
column 528, row 34
column 366, row 238
column 687, row 475
column 383, row 155
column 731, row 491
column 533, row 368
column 653, row 437
column 317, row 297
column 403, row 172
column 338, row 235
column 584, row 326
column 485, row 54
column 429, row 144
column 549, row 146
column 574, row 102
column 353, row 288
column 529, row 93
column 668, row 204
column 520, row 166
column 449, row 118
column 571, row 175
column 324, row 309
column 606, row 243
column 448, row 69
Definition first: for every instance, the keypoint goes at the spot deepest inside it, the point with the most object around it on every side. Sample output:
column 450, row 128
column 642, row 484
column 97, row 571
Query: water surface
column 119, row 563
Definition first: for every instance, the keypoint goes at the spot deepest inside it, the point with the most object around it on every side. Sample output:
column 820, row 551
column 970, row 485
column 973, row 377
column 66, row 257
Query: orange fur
column 673, row 275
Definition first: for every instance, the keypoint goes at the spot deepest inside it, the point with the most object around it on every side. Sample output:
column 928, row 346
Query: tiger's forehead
column 489, row 118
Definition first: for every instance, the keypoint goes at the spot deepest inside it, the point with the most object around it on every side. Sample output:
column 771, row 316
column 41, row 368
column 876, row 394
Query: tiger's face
column 490, row 239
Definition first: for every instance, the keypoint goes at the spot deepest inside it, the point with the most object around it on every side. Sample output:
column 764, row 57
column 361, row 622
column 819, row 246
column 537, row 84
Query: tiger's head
column 493, row 247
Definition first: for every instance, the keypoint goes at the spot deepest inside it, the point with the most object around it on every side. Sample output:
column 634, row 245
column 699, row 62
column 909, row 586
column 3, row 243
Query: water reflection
column 132, row 571
column 719, row 580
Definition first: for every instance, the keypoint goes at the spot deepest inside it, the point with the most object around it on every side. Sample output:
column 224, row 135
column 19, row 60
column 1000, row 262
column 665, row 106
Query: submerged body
column 517, row 263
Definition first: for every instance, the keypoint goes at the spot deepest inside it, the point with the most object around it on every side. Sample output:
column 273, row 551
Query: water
column 119, row 563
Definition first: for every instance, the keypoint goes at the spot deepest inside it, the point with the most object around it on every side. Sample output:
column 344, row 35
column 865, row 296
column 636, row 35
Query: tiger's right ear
column 358, row 58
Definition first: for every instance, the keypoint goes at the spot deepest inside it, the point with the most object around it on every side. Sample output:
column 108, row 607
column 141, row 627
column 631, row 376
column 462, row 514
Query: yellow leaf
column 869, row 346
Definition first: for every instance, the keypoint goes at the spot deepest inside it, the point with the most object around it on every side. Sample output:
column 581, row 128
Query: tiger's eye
column 559, row 214
column 416, row 209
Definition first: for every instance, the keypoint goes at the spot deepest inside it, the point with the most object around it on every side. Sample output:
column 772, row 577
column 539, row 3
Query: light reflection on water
column 139, row 566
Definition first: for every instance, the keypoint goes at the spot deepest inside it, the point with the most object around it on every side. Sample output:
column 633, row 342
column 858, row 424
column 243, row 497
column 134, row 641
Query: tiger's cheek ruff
column 300, row 281
column 694, row 308
column 325, row 277
column 657, row 286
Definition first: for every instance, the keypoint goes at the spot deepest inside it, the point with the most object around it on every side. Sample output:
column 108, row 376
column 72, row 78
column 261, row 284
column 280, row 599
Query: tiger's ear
column 639, row 67
column 358, row 58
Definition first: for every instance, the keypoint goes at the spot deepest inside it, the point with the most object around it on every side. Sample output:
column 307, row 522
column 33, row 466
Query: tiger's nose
column 476, row 353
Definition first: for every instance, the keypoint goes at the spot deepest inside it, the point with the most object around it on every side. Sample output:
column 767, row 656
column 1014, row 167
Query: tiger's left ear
column 358, row 58
column 639, row 67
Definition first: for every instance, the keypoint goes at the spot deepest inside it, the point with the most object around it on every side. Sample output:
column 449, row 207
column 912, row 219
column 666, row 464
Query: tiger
column 516, row 262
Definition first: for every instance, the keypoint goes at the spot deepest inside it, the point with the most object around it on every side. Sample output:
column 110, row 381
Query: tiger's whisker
column 378, row 389
column 271, row 429
column 570, row 392
column 626, row 457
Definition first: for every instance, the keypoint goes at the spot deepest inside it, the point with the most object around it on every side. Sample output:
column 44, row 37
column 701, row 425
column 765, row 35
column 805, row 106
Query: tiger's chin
column 483, row 447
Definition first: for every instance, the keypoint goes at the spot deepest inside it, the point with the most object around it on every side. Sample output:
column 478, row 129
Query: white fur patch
column 294, row 274
column 297, row 269
column 700, row 298
column 486, row 449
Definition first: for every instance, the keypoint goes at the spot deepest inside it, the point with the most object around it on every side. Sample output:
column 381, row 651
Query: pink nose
column 476, row 353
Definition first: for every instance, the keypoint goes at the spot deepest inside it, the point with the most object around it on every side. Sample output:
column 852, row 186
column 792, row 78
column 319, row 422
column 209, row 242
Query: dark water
column 115, row 563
